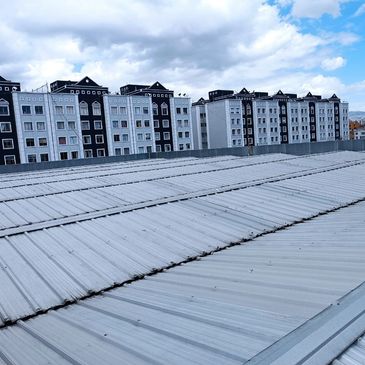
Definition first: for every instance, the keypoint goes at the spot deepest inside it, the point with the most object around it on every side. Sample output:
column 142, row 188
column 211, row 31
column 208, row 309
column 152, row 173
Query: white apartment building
column 48, row 126
column 233, row 120
column 129, row 123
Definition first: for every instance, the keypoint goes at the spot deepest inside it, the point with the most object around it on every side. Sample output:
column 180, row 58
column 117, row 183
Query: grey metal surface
column 222, row 309
column 354, row 355
column 44, row 268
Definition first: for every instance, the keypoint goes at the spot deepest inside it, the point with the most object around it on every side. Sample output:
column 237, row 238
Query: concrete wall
column 294, row 149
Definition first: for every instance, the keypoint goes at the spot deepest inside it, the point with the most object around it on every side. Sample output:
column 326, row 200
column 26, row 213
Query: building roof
column 184, row 302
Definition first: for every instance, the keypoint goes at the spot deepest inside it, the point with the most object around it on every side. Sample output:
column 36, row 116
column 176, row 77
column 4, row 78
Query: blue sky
column 190, row 46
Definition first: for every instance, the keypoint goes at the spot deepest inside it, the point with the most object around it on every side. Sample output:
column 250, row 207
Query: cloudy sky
column 191, row 46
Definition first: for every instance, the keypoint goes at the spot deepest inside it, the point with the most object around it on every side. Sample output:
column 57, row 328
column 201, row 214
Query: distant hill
column 356, row 115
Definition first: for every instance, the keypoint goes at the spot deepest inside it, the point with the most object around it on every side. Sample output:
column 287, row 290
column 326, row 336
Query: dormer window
column 96, row 108
column 4, row 107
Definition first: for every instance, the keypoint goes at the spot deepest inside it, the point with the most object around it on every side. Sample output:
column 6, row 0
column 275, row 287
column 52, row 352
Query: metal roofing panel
column 223, row 308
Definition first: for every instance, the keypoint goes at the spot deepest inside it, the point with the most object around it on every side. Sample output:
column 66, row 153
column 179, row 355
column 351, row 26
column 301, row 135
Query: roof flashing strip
column 322, row 338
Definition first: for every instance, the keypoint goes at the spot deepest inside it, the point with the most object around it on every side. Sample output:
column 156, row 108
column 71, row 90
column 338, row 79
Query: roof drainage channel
column 92, row 294
column 176, row 198
column 321, row 339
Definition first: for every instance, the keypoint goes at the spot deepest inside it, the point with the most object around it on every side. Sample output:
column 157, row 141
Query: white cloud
column 189, row 46
column 315, row 8
column 330, row 64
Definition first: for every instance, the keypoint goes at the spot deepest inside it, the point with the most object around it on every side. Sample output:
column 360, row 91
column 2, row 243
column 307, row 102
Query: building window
column 32, row 158
column 149, row 149
column 139, row 136
column 74, row 155
column 165, row 123
column 146, row 123
column 158, row 148
column 38, row 109
column 86, row 139
column 71, row 125
column 62, row 140
column 148, row 136
column 188, row 145
column 187, row 135
column 44, row 157
column 186, row 123
column 28, row 126
column 140, row 149
column 138, row 123
column 60, row 125
column 73, row 139
column 124, row 124
column 166, row 135
column 99, row 138
column 8, row 144
column 114, row 110
column 116, row 138
column 96, row 108
column 84, row 110
column 179, row 123
column 98, row 124
column 88, row 153
column 42, row 142
column 41, row 126
column 126, row 150
column 125, row 137
column 181, row 146
column 117, row 151
column 100, row 152
column 137, row 110
column 157, row 136
column 115, row 124
column 9, row 160
column 185, row 110
column 59, row 109
column 26, row 109
column 29, row 142
column 63, row 156
column 70, row 109
column 156, row 124
column 4, row 107
column 180, row 134
column 155, row 109
column 85, row 125
column 5, row 127
column 145, row 110
column 178, row 110
column 167, row 147
column 123, row 110
column 164, row 109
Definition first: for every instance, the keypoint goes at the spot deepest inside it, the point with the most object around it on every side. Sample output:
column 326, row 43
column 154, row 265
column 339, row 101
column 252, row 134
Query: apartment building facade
column 172, row 120
column 48, row 126
column 9, row 146
column 227, row 119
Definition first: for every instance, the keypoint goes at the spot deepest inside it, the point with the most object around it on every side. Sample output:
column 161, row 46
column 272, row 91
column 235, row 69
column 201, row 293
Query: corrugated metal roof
column 221, row 309
column 49, row 266
column 354, row 355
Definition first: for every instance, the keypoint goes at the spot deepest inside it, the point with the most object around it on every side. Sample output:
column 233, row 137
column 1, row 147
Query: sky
column 190, row 46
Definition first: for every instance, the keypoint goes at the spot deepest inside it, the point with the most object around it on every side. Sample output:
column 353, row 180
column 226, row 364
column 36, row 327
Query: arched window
column 164, row 109
column 4, row 107
column 96, row 108
column 84, row 110
column 155, row 109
